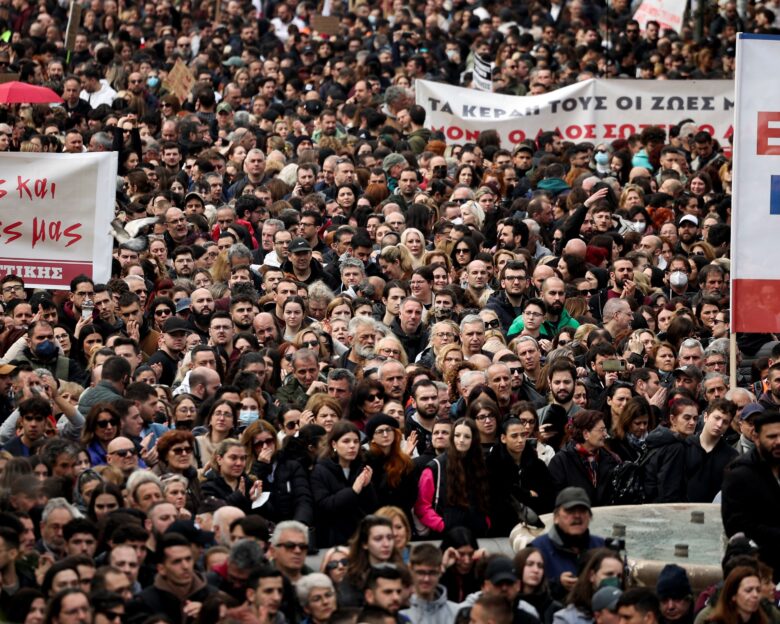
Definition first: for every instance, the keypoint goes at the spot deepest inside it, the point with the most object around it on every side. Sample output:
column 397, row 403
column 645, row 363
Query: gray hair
column 613, row 306
column 719, row 346
column 315, row 580
column 731, row 395
column 469, row 319
column 246, row 553
column 288, row 525
column 59, row 503
column 242, row 119
column 352, row 262
column 238, row 250
column 277, row 223
column 104, row 140
column 361, row 321
column 303, row 354
column 338, row 374
column 470, row 375
column 688, row 343
column 716, row 375
column 138, row 478
column 319, row 290
column 522, row 339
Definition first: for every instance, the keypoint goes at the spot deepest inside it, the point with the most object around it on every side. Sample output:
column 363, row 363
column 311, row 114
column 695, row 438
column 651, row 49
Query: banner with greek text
column 755, row 254
column 668, row 13
column 593, row 110
column 55, row 216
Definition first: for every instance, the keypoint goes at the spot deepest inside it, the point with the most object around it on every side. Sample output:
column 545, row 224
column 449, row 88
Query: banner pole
column 732, row 361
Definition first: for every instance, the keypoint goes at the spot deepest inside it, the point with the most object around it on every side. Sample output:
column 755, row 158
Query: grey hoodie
column 436, row 611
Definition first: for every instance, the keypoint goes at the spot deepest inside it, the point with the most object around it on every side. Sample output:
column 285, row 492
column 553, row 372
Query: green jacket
column 293, row 393
column 548, row 329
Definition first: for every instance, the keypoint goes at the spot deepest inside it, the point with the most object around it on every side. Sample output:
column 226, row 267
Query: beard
column 243, row 326
column 767, row 455
column 364, row 352
column 555, row 308
column 201, row 318
column 563, row 396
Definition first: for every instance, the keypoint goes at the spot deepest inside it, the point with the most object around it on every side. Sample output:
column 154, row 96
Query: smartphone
column 613, row 366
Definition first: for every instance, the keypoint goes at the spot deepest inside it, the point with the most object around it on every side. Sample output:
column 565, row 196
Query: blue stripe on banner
column 774, row 195
column 758, row 36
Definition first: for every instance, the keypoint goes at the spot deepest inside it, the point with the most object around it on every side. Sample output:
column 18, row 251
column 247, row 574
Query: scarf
column 591, row 462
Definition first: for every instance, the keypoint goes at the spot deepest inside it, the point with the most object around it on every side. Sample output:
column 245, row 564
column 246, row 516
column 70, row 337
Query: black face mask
column 440, row 172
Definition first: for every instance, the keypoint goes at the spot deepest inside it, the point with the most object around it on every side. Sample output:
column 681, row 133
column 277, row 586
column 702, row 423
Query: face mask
column 442, row 314
column 639, row 226
column 160, row 417
column 246, row 417
column 372, row 20
column 451, row 54
column 152, row 82
column 601, row 158
column 440, row 172
column 678, row 279
column 46, row 349
column 612, row 581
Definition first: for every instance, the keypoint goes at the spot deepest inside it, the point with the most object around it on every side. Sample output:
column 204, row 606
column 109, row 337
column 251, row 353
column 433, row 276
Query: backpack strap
column 436, row 469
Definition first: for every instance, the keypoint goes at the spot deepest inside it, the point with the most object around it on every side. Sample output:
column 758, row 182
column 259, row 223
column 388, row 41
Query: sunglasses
column 104, row 424
column 124, row 452
column 262, row 443
column 494, row 324
column 181, row 450
column 293, row 424
column 311, row 344
column 338, row 563
column 294, row 546
column 163, row 312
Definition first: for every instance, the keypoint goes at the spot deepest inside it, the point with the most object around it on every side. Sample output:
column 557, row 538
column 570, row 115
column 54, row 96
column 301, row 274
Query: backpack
column 628, row 481
column 419, row 528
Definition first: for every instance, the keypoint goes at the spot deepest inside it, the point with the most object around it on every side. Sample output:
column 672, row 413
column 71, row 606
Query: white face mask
column 639, row 226
column 662, row 263
column 247, row 416
column 678, row 279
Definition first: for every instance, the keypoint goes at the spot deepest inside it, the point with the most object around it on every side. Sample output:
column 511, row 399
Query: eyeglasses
column 485, row 416
column 181, row 450
column 527, row 422
column 462, row 250
column 10, row 289
column 532, row 314
column 124, row 452
column 383, row 431
column 294, row 546
column 375, row 397
column 338, row 563
column 288, row 357
column 445, row 335
column 311, row 344
column 104, row 424
column 293, row 424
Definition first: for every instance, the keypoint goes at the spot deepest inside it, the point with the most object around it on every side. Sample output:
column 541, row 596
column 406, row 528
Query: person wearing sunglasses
column 100, row 427
column 123, row 455
column 175, row 450
column 282, row 476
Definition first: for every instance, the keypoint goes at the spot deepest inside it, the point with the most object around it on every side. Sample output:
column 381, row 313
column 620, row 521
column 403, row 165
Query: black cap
column 694, row 372
column 501, row 570
column 195, row 535
column 572, row 497
column 299, row 244
column 175, row 324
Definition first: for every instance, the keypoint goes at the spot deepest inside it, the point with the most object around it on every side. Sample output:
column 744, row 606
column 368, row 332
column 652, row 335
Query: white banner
column 483, row 74
column 755, row 254
column 668, row 14
column 55, row 216
column 593, row 110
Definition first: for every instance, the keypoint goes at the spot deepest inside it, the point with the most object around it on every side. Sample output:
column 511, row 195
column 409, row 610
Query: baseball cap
column 233, row 61
column 501, row 570
column 751, row 409
column 523, row 147
column 7, row 369
column 224, row 107
column 688, row 219
column 694, row 372
column 298, row 245
column 183, row 304
column 605, row 598
column 174, row 324
column 572, row 497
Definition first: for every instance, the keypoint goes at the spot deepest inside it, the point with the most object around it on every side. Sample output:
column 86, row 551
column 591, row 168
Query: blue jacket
column 559, row 558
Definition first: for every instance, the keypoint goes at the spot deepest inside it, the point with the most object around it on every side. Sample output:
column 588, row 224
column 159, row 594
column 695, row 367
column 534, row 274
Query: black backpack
column 628, row 481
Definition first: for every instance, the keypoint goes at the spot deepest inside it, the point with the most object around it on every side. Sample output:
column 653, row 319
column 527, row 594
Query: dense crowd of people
column 329, row 331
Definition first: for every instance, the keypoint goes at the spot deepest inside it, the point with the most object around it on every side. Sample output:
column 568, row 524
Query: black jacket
column 156, row 601
column 623, row 449
column 665, row 467
column 216, row 486
column 704, row 471
column 287, row 482
column 412, row 343
column 403, row 495
column 751, row 505
column 338, row 509
column 508, row 480
column 504, row 310
column 567, row 468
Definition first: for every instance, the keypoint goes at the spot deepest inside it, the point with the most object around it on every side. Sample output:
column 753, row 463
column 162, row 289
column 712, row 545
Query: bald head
column 576, row 247
column 120, row 443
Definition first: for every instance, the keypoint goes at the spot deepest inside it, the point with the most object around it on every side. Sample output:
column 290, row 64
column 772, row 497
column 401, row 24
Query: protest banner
column 755, row 254
column 668, row 13
column 483, row 74
column 179, row 80
column 55, row 216
column 74, row 21
column 593, row 110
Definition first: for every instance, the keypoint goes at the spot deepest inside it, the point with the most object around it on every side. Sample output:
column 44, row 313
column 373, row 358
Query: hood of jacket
column 662, row 436
column 554, row 185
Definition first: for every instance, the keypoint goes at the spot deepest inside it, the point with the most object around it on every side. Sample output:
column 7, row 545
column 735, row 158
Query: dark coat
column 156, row 601
column 287, row 482
column 338, row 509
column 751, row 505
column 567, row 468
column 508, row 480
column 665, row 467
column 403, row 495
column 415, row 343
column 704, row 471
column 216, row 486
column 504, row 310
column 623, row 449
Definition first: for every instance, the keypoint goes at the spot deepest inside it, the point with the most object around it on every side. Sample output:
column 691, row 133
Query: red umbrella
column 16, row 92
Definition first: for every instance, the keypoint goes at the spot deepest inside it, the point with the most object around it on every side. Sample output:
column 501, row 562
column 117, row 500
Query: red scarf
column 591, row 462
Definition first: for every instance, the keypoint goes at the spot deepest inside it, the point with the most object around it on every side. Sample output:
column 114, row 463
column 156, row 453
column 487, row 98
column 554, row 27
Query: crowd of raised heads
column 336, row 354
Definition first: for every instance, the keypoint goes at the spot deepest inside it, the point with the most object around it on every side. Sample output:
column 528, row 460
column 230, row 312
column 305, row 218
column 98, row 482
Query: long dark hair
column 582, row 593
column 466, row 472
column 520, row 560
column 359, row 563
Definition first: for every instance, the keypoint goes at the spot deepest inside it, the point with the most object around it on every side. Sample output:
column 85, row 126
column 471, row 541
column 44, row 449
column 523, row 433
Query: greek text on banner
column 55, row 216
column 593, row 110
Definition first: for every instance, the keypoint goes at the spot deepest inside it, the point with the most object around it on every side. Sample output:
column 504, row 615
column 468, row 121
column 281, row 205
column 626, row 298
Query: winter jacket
column 665, row 468
column 216, row 486
column 413, row 343
column 572, row 615
column 436, row 611
column 338, row 509
column 703, row 470
column 293, row 393
column 403, row 495
column 60, row 366
column 156, row 600
column 290, row 490
column 505, row 311
column 750, row 504
column 567, row 468
column 511, row 484
column 547, row 329
column 560, row 556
